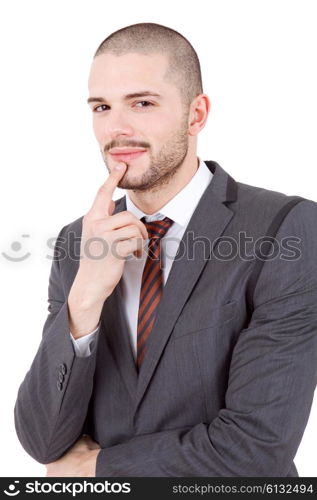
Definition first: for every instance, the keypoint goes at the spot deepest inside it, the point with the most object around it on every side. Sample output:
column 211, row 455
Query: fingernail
column 119, row 166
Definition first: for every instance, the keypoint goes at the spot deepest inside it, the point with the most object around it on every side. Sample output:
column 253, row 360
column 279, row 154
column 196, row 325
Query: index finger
column 102, row 203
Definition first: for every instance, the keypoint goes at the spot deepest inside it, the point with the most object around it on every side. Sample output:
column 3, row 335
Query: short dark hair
column 149, row 38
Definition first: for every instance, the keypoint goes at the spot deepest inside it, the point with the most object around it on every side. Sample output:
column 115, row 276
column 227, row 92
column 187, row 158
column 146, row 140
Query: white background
column 258, row 61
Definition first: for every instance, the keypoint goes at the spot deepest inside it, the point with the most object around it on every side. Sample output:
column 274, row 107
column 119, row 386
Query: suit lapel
column 208, row 221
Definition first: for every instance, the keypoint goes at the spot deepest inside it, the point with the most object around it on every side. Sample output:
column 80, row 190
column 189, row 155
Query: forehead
column 112, row 73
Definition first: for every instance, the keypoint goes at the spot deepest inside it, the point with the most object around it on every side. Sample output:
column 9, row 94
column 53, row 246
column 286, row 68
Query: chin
column 133, row 183
column 127, row 184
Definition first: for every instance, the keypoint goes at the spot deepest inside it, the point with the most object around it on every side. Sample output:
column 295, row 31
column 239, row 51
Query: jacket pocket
column 195, row 318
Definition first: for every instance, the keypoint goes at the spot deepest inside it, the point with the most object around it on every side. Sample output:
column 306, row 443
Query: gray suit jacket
column 228, row 379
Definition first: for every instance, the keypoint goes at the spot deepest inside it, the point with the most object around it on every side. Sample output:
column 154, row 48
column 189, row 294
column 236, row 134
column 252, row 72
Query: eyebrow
column 143, row 93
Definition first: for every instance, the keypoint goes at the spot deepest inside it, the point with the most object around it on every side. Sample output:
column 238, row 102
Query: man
column 183, row 341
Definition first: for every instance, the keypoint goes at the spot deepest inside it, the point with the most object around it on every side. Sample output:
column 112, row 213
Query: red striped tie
column 152, row 283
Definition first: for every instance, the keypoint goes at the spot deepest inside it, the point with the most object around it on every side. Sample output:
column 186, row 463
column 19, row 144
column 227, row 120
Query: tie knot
column 157, row 228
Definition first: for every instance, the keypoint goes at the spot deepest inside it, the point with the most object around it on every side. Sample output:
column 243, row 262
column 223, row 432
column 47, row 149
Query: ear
column 198, row 113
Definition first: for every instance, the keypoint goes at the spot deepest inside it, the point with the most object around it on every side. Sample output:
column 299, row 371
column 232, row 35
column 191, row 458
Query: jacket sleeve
column 273, row 374
column 53, row 399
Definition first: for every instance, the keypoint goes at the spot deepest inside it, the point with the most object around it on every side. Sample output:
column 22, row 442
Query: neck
column 152, row 201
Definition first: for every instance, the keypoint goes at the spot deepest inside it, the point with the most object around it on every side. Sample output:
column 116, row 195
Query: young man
column 171, row 349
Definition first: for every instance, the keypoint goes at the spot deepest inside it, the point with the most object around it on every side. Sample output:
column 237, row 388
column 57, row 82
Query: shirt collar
column 182, row 206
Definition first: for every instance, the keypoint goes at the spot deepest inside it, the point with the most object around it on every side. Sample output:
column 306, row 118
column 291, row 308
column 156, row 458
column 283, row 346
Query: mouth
column 126, row 154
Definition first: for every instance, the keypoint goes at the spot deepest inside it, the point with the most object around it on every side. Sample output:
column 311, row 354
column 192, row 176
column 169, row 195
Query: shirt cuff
column 82, row 345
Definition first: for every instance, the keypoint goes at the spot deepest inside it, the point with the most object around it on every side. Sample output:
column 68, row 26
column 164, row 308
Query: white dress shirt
column 180, row 209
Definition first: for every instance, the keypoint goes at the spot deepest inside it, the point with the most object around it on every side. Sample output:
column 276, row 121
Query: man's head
column 146, row 93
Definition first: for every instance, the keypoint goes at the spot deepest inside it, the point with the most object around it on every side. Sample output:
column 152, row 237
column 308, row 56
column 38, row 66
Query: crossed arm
column 257, row 433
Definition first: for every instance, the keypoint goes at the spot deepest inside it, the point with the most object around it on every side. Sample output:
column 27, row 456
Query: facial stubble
column 162, row 165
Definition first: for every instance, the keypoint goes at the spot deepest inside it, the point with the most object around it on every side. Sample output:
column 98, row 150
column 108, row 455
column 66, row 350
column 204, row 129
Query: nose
column 117, row 124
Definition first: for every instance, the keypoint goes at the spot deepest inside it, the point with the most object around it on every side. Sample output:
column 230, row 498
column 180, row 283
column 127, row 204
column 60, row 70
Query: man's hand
column 107, row 240
column 79, row 461
column 105, row 243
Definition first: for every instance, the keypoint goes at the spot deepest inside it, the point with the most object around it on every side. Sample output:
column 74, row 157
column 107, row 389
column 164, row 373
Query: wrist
column 83, row 318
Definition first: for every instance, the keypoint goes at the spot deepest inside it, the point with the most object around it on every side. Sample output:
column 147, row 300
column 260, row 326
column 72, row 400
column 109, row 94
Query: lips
column 125, row 154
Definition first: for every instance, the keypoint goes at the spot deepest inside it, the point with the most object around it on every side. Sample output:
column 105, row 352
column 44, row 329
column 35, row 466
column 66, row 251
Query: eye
column 102, row 107
column 144, row 104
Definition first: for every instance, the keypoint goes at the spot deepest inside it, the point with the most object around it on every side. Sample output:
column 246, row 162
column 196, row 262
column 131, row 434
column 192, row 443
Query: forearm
column 51, row 407
column 219, row 449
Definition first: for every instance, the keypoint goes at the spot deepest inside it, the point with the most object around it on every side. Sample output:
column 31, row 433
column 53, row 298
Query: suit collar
column 209, row 220
column 181, row 206
column 223, row 186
